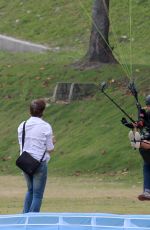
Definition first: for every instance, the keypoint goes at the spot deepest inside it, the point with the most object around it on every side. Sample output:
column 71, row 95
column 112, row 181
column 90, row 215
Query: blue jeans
column 145, row 153
column 146, row 173
column 36, row 186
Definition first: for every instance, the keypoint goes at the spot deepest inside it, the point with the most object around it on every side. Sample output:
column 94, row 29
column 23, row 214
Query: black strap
column 23, row 140
column 43, row 156
column 23, row 135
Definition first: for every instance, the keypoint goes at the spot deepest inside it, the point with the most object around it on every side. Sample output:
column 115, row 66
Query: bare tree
column 99, row 48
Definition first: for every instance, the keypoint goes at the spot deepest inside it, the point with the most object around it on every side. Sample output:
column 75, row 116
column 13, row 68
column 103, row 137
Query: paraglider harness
column 143, row 122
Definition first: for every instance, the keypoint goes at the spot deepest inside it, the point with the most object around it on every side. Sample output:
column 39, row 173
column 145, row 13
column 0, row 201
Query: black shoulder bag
column 25, row 161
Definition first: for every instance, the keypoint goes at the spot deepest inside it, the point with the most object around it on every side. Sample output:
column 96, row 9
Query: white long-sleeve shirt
column 38, row 138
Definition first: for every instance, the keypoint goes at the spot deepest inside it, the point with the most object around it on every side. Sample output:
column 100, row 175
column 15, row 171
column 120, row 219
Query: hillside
column 90, row 137
column 67, row 25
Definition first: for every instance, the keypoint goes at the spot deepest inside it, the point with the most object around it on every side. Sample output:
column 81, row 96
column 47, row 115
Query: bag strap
column 23, row 135
column 43, row 156
column 23, row 140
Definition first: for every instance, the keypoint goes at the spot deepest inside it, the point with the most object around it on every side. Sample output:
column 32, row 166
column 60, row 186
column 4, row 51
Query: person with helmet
column 39, row 143
column 139, row 137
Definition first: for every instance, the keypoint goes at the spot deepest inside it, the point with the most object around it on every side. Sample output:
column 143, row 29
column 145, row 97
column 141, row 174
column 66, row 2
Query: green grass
column 67, row 24
column 76, row 194
column 90, row 137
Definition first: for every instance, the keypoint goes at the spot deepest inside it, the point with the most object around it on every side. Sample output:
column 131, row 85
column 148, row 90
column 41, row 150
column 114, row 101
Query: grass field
column 75, row 194
column 89, row 133
column 93, row 168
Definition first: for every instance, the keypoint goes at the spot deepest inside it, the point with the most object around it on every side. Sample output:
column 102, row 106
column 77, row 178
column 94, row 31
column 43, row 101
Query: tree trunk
column 99, row 50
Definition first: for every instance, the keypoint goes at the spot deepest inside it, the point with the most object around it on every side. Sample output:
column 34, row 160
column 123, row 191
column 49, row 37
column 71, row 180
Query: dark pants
column 146, row 168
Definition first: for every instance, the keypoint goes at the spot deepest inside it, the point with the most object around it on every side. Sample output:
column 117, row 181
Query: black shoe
column 144, row 196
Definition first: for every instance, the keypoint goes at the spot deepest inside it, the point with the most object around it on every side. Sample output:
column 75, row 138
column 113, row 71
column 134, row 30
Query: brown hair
column 37, row 107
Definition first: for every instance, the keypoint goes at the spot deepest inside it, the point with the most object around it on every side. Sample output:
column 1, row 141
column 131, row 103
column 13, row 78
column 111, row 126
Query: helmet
column 147, row 100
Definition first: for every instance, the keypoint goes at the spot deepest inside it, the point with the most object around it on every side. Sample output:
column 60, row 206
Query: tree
column 99, row 48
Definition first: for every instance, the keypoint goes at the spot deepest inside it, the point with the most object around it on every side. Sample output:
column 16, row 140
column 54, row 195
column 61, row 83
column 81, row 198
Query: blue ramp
column 74, row 221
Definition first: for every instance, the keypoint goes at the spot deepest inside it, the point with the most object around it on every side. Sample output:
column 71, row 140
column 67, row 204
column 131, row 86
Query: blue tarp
column 74, row 221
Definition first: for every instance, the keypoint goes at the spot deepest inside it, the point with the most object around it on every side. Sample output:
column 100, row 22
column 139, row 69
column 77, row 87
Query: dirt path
column 17, row 45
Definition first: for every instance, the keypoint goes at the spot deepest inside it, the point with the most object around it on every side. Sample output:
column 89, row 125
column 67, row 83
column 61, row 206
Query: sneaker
column 135, row 139
column 144, row 196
